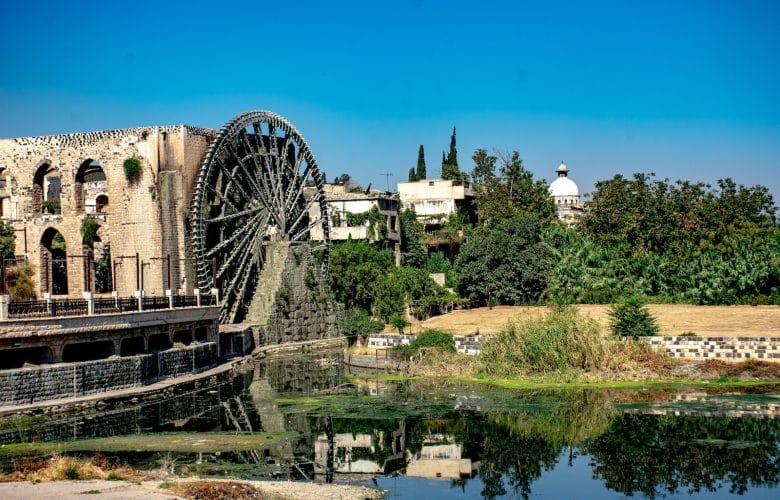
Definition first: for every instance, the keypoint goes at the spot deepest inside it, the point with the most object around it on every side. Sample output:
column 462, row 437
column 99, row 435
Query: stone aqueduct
column 209, row 208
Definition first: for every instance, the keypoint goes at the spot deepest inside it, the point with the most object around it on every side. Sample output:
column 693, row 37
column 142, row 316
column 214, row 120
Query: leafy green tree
column 632, row 318
column 358, row 322
column 412, row 175
column 421, row 173
column 388, row 297
column 509, row 263
column 354, row 269
column 659, row 216
column 407, row 286
column 484, row 167
column 399, row 322
column 437, row 262
column 513, row 193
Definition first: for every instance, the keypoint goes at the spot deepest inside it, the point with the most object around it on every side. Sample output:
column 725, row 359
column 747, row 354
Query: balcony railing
column 21, row 309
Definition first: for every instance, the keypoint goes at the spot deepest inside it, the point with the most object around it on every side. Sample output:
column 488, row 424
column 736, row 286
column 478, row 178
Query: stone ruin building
column 51, row 186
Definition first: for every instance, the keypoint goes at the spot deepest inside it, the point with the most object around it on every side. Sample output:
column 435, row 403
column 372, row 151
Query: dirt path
column 98, row 489
column 673, row 319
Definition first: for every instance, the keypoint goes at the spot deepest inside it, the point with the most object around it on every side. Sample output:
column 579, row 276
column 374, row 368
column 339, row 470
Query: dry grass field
column 673, row 319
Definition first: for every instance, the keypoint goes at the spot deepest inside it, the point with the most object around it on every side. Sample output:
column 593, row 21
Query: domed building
column 566, row 195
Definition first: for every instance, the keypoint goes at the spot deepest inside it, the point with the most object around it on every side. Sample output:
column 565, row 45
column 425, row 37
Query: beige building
column 434, row 200
column 51, row 186
column 370, row 216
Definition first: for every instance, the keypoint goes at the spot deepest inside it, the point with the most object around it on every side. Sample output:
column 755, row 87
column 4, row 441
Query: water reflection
column 460, row 439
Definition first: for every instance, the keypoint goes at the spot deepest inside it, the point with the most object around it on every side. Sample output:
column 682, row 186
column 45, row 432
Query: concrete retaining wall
column 27, row 385
column 465, row 344
column 727, row 348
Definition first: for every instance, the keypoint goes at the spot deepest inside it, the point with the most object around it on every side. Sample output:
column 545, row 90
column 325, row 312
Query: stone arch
column 90, row 184
column 101, row 203
column 54, row 262
column 99, row 277
column 46, row 190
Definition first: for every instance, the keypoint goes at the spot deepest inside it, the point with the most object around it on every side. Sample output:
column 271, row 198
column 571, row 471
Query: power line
column 387, row 179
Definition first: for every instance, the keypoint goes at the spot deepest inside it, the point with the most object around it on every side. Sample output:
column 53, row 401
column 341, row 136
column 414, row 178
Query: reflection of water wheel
column 250, row 192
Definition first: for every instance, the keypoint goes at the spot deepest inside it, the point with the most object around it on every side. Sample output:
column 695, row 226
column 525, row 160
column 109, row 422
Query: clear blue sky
column 687, row 89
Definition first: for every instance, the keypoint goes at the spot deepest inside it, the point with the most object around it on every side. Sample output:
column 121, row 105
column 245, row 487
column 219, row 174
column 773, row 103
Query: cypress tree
column 449, row 164
column 421, row 173
column 452, row 158
column 412, row 175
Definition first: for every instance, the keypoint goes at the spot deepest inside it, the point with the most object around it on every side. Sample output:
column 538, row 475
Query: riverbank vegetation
column 660, row 241
column 565, row 346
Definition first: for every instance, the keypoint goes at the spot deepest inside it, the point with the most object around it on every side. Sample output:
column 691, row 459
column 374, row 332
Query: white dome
column 562, row 168
column 563, row 186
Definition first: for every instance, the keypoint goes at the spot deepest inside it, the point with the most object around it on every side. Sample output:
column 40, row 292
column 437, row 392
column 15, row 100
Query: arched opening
column 132, row 346
column 101, row 203
column 90, row 184
column 17, row 358
column 87, row 351
column 46, row 190
column 54, row 263
column 101, row 266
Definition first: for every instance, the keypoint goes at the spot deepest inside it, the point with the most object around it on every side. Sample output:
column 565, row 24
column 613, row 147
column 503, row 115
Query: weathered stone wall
column 27, row 385
column 301, row 311
column 139, row 218
column 59, row 332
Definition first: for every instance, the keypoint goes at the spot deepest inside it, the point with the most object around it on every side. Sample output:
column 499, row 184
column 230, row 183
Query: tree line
column 640, row 236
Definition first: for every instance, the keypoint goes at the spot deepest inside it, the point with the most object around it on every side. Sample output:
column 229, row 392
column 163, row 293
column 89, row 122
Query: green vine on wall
column 132, row 168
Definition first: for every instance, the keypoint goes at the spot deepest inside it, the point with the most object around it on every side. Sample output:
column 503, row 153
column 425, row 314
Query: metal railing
column 20, row 309
column 28, row 309
column 185, row 301
column 155, row 303
column 69, row 307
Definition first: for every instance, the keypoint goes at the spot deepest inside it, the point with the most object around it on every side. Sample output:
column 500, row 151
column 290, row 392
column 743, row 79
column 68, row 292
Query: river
column 445, row 439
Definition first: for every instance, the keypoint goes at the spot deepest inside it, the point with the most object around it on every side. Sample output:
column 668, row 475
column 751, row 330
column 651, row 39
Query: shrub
column 19, row 280
column 560, row 340
column 434, row 338
column 399, row 321
column 437, row 340
column 632, row 318
column 132, row 168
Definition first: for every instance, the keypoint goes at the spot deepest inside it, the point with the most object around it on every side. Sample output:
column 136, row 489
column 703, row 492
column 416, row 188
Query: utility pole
column 387, row 179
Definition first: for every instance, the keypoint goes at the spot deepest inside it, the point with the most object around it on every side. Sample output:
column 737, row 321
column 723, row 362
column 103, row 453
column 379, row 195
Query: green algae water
column 306, row 418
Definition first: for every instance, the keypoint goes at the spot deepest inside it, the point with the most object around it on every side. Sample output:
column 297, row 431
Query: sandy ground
column 673, row 319
column 68, row 490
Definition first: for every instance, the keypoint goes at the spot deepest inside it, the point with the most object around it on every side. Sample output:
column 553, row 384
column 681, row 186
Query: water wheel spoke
column 246, row 228
column 305, row 231
column 296, row 190
column 245, row 245
column 222, row 198
column 305, row 211
column 229, row 217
